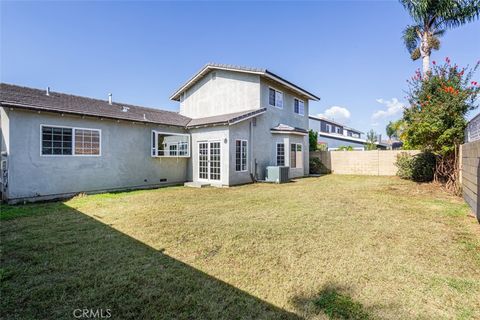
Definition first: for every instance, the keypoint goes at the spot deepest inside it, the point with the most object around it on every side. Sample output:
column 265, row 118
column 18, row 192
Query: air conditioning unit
column 277, row 174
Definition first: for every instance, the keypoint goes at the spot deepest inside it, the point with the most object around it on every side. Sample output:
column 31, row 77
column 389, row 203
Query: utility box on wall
column 277, row 174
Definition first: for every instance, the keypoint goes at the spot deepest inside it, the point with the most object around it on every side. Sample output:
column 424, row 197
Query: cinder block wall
column 372, row 163
column 469, row 173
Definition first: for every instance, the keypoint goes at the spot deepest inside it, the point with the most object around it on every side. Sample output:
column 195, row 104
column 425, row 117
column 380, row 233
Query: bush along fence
column 470, row 175
column 373, row 163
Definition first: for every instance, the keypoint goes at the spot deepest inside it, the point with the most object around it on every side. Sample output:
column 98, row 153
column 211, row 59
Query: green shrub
column 345, row 148
column 322, row 147
column 419, row 168
column 317, row 167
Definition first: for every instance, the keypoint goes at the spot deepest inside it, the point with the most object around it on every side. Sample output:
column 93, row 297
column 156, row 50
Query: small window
column 275, row 98
column 280, row 154
column 87, row 142
column 170, row 144
column 56, row 141
column 241, row 155
column 296, row 155
column 338, row 130
column 328, row 127
column 182, row 148
column 70, row 141
column 299, row 107
column 173, row 150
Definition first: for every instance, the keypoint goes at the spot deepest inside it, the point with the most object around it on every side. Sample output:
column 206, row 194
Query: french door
column 209, row 160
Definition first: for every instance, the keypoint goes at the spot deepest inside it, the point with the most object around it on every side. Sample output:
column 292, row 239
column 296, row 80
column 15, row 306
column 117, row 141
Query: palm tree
column 432, row 18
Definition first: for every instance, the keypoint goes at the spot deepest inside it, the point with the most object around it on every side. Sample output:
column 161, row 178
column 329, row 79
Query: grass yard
column 333, row 247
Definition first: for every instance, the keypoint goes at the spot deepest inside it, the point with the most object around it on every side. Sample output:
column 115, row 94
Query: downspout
column 253, row 168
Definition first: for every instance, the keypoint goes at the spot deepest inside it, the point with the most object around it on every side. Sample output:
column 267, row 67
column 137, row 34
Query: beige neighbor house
column 233, row 122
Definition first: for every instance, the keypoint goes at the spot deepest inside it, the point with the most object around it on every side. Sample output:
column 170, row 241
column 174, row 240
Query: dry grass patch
column 345, row 247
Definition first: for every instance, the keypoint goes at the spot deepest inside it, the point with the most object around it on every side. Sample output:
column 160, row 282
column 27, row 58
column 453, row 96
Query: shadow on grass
column 54, row 263
column 334, row 302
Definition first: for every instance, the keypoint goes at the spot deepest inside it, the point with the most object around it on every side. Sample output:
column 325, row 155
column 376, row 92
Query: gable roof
column 261, row 72
column 36, row 99
column 224, row 119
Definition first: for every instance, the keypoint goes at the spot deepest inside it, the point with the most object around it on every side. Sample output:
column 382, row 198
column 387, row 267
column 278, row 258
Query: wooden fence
column 373, row 163
column 470, row 176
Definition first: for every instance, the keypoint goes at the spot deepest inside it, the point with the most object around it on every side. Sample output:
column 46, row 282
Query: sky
column 349, row 53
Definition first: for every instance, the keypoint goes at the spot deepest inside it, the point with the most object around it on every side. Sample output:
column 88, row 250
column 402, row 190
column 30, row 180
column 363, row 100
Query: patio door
column 209, row 160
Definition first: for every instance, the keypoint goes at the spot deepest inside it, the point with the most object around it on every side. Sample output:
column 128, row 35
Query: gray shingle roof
column 286, row 128
column 230, row 118
column 35, row 99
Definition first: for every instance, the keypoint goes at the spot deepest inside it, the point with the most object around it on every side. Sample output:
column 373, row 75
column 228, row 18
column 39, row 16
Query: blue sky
column 350, row 53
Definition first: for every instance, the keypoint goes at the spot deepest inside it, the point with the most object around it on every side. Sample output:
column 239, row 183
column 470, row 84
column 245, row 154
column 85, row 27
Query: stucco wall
column 376, row 163
column 229, row 92
column 265, row 141
column 241, row 131
column 286, row 114
column 125, row 161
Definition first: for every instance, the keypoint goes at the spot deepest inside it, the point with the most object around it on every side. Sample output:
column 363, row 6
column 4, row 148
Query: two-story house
column 233, row 122
column 335, row 135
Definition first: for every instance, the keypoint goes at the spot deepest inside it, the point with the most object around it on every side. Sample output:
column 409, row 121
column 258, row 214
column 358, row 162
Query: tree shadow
column 334, row 302
column 53, row 264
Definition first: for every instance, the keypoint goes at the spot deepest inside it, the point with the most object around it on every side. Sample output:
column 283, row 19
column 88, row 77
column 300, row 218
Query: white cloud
column 393, row 107
column 337, row 113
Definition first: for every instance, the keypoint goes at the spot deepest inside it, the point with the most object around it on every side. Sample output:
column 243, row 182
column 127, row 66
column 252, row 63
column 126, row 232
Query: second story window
column 338, row 130
column 275, row 98
column 299, row 107
column 328, row 127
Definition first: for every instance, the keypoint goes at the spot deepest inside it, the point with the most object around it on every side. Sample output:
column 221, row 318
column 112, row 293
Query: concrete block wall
column 470, row 175
column 373, row 163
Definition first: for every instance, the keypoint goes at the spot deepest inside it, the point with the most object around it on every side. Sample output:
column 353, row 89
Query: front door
column 209, row 160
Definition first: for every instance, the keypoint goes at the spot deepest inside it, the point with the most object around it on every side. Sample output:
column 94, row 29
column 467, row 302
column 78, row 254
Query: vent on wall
column 163, row 180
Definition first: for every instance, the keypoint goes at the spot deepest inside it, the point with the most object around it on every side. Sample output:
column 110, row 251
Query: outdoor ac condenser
column 277, row 174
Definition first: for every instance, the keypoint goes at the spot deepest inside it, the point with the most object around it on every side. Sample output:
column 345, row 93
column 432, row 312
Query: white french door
column 209, row 160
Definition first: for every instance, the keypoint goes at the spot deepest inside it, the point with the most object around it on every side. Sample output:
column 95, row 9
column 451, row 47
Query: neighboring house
column 335, row 134
column 233, row 123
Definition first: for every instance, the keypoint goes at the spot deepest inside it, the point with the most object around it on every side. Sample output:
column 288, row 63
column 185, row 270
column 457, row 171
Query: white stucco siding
column 241, row 131
column 227, row 92
column 125, row 160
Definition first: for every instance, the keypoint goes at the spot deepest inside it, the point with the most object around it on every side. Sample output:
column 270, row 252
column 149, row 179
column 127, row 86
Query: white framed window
column 280, row 154
column 275, row 98
column 241, row 151
column 296, row 155
column 338, row 130
column 328, row 127
column 168, row 144
column 298, row 106
column 69, row 141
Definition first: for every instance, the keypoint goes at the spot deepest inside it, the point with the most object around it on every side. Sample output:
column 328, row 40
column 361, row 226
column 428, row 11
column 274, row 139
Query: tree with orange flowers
column 436, row 118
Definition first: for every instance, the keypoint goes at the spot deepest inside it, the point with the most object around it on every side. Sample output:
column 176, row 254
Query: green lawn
column 339, row 247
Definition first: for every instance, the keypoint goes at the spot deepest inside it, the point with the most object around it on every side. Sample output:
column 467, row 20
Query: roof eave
column 290, row 85
column 31, row 107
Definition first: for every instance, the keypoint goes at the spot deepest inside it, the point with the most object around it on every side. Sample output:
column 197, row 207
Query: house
column 232, row 123
column 334, row 134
